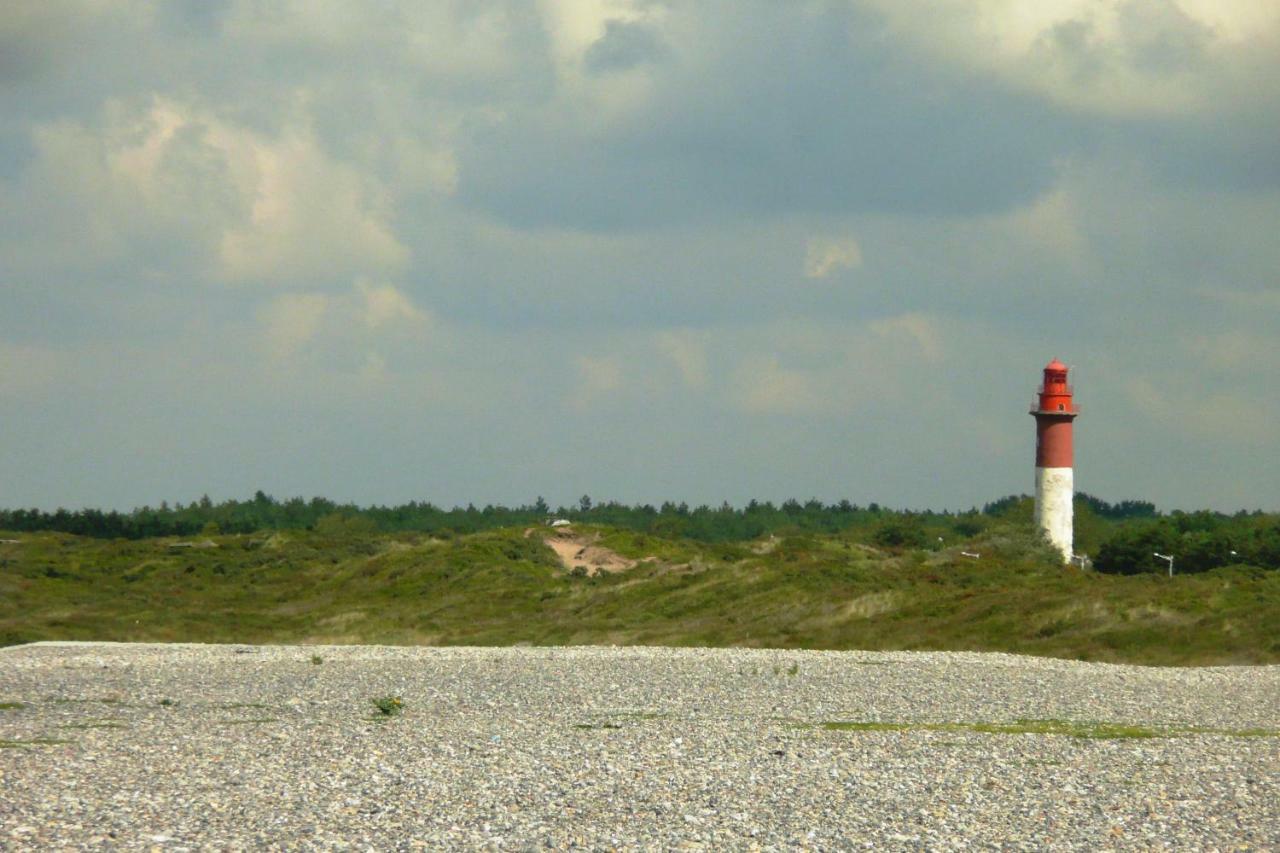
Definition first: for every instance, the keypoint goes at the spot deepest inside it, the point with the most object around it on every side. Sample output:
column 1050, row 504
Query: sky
column 702, row 251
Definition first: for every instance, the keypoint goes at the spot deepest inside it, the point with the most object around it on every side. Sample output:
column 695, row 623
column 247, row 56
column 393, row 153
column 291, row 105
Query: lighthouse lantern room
column 1054, row 411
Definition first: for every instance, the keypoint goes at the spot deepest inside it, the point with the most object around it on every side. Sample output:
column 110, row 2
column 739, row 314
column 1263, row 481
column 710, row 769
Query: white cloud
column 764, row 387
column 384, row 305
column 135, row 179
column 367, row 325
column 312, row 216
column 374, row 369
column 176, row 184
column 1052, row 222
column 826, row 255
column 598, row 377
column 574, row 25
column 1110, row 56
column 291, row 320
column 687, row 353
column 919, row 332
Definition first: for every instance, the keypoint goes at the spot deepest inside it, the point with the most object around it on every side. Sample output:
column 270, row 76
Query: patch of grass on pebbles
column 25, row 744
column 1091, row 730
column 249, row 721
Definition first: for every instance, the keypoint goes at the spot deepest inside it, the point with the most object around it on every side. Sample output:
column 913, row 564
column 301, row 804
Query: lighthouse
column 1054, row 411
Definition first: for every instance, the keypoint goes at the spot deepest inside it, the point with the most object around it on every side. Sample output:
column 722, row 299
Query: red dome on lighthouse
column 1055, row 393
column 1054, row 409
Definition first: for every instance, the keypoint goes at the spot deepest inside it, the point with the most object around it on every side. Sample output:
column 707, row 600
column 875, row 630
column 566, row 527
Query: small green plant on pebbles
column 388, row 706
column 23, row 744
column 167, row 703
column 317, row 660
column 11, row 706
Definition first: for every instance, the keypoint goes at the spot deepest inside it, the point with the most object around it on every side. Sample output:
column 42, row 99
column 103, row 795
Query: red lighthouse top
column 1055, row 393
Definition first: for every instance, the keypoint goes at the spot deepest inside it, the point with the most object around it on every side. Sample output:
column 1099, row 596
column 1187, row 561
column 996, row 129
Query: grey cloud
column 1162, row 37
column 1154, row 38
column 201, row 18
column 624, row 45
column 787, row 113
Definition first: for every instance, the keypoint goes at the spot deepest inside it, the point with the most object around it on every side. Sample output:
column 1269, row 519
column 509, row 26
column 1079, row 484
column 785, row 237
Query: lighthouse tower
column 1054, row 411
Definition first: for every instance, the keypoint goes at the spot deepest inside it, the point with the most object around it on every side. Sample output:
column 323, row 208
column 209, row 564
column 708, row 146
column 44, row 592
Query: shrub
column 1131, row 550
column 344, row 524
column 899, row 531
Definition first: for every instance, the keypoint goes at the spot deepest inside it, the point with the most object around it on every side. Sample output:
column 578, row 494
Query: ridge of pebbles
column 187, row 746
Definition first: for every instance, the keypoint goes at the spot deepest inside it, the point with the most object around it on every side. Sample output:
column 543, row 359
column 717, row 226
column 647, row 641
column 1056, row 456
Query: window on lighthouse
column 1062, row 407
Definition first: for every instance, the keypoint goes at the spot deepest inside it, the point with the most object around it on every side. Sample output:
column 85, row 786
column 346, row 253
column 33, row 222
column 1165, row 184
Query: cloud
column 1238, row 350
column 175, row 185
column 1052, row 223
column 765, row 387
column 919, row 331
column 31, row 369
column 385, row 305
column 433, row 214
column 1213, row 416
column 598, row 377
column 1119, row 57
column 312, row 217
column 368, row 324
column 830, row 119
column 687, row 353
column 622, row 47
column 824, row 256
column 291, row 320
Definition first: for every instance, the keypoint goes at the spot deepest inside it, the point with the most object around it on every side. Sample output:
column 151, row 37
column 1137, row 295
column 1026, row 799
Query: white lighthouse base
column 1055, row 489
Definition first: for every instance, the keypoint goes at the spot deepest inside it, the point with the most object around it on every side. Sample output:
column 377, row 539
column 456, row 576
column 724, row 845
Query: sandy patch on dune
column 582, row 552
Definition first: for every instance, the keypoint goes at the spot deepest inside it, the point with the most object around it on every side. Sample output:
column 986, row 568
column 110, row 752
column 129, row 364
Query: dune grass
column 503, row 587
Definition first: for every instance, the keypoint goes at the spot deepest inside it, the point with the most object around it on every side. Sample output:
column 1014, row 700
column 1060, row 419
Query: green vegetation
column 796, row 588
column 37, row 741
column 11, row 706
column 1087, row 729
column 1122, row 535
column 388, row 706
column 249, row 721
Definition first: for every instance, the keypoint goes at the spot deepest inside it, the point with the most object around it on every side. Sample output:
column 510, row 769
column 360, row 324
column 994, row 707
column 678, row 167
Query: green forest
column 1118, row 538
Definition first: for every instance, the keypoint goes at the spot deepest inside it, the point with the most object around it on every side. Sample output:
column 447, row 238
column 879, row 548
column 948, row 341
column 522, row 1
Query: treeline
column 1197, row 542
column 1122, row 537
column 263, row 512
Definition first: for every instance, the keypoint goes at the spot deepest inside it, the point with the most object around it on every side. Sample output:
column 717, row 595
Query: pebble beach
column 195, row 747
